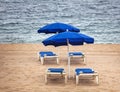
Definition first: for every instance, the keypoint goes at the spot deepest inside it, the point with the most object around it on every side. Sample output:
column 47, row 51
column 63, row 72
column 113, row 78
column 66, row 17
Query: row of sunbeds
column 79, row 73
column 48, row 54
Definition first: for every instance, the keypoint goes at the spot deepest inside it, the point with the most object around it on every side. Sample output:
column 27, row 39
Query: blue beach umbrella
column 57, row 28
column 66, row 38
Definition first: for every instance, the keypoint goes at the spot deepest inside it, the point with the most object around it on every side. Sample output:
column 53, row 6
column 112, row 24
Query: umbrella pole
column 58, row 51
column 68, row 58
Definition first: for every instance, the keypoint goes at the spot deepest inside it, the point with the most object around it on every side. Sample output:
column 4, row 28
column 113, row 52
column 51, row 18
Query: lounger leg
column 74, row 74
column 45, row 79
column 42, row 60
column 84, row 60
column 65, row 79
column 57, row 60
column 39, row 58
column 77, row 80
column 97, row 79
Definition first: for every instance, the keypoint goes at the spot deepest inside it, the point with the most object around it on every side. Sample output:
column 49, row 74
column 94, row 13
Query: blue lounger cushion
column 75, row 53
column 84, row 70
column 56, row 70
column 47, row 53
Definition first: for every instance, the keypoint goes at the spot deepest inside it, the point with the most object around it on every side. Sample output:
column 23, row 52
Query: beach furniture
column 68, row 38
column 86, row 73
column 80, row 55
column 54, row 73
column 47, row 55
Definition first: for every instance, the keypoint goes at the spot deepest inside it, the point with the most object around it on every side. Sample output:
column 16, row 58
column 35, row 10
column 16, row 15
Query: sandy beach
column 21, row 71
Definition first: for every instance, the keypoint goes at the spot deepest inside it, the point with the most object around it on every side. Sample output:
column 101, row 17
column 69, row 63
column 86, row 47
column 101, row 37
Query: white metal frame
column 42, row 59
column 50, row 75
column 94, row 75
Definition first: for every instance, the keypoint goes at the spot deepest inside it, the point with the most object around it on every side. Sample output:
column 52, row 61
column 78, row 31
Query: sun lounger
column 86, row 73
column 53, row 73
column 76, row 55
column 47, row 54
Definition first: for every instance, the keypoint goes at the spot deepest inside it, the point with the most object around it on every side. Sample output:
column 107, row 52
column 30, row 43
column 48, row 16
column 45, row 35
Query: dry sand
column 20, row 70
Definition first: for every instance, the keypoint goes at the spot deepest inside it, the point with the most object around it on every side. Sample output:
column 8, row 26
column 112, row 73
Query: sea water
column 20, row 19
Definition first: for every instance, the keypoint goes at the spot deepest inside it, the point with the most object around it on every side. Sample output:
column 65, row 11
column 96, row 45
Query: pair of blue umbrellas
column 67, row 34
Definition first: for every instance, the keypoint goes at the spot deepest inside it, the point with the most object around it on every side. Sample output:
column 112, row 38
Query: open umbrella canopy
column 57, row 28
column 64, row 38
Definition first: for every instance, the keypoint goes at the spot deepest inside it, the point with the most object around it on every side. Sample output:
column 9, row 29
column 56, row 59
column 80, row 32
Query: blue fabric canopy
column 57, row 28
column 72, row 37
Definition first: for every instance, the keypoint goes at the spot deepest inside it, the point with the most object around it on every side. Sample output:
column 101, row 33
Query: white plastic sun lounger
column 47, row 55
column 80, row 55
column 86, row 73
column 53, row 73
